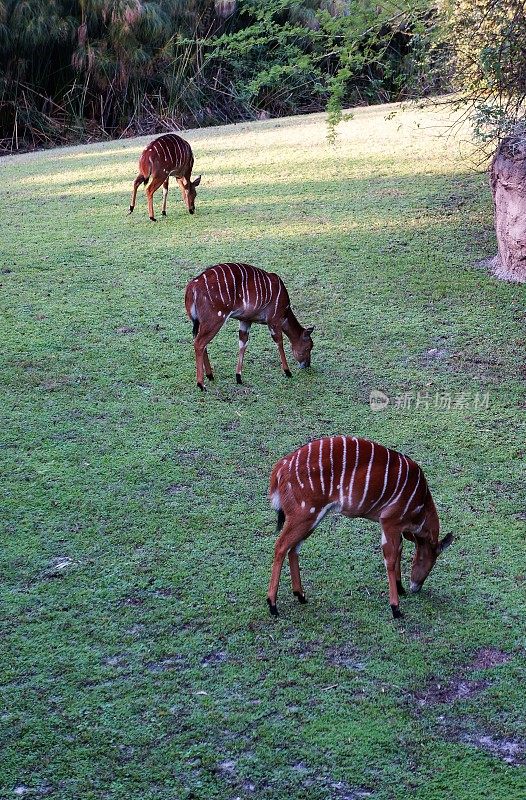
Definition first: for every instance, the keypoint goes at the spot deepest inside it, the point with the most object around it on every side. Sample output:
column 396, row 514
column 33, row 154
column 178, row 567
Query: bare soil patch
column 463, row 687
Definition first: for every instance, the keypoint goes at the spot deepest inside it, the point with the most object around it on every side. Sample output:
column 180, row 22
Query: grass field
column 138, row 659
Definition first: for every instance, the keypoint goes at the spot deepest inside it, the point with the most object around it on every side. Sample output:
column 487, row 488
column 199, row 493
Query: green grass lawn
column 138, row 658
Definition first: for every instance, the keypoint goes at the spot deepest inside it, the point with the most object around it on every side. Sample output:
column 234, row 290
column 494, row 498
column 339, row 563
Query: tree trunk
column 508, row 184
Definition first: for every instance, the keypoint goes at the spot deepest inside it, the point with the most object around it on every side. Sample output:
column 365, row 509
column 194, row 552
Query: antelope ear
column 307, row 332
column 444, row 544
column 197, row 181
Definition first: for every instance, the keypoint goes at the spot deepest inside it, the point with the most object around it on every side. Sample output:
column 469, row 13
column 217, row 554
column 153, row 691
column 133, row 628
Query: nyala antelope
column 357, row 478
column 250, row 295
column 168, row 155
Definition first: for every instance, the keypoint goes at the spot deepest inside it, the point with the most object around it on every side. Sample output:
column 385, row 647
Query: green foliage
column 107, row 67
column 138, row 658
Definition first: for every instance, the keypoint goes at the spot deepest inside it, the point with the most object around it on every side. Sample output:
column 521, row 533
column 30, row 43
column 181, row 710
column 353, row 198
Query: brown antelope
column 168, row 155
column 357, row 478
column 250, row 295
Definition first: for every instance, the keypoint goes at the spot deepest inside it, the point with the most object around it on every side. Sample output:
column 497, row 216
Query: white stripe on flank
column 356, row 459
column 302, row 485
column 385, row 480
column 264, row 287
column 177, row 147
column 184, row 150
column 247, row 287
column 227, row 288
column 207, row 288
column 187, row 153
column 344, row 466
column 158, row 149
column 277, row 297
column 367, row 477
column 169, row 149
column 256, row 304
column 413, row 494
column 260, row 284
column 331, row 443
column 388, row 503
column 243, row 280
column 268, row 293
column 309, row 448
column 166, row 152
column 320, row 463
column 218, row 285
column 400, row 493
column 234, row 282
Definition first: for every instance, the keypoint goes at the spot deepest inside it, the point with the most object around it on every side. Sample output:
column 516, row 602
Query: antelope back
column 169, row 154
column 363, row 478
column 240, row 290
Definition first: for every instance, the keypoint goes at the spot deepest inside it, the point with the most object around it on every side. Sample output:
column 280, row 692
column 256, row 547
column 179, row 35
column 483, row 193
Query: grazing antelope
column 250, row 295
column 357, row 478
column 168, row 155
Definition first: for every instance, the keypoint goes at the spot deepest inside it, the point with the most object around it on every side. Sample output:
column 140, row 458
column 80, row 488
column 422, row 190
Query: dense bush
column 79, row 69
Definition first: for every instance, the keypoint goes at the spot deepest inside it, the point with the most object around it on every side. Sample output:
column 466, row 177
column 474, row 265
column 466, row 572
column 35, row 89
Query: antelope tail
column 275, row 498
column 147, row 177
column 145, row 168
column 195, row 319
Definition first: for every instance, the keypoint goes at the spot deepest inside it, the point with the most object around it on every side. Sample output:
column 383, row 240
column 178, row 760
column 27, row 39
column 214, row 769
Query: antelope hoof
column 211, row 378
column 200, row 386
column 400, row 588
column 131, row 209
column 272, row 607
column 238, row 378
column 288, row 373
column 397, row 614
column 301, row 597
column 153, row 219
column 163, row 213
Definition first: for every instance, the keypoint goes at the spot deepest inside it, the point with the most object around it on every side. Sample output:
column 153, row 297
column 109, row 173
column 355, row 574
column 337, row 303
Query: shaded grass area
column 138, row 658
